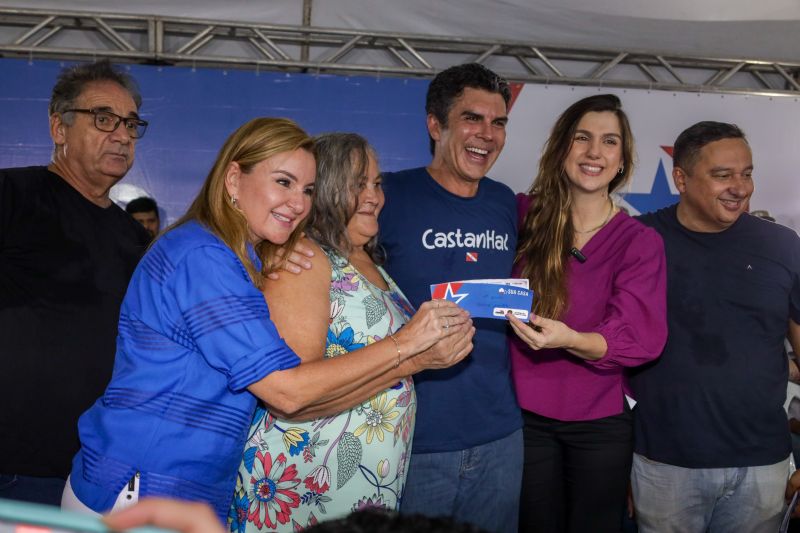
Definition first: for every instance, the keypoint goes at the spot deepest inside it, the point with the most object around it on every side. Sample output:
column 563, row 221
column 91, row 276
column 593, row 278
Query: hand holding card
column 438, row 336
column 488, row 298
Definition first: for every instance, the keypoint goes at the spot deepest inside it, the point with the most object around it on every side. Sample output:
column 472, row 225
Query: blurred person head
column 378, row 520
column 145, row 211
column 195, row 517
column 763, row 214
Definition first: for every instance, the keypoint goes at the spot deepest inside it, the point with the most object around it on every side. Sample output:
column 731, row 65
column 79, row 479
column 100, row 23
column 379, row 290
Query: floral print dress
column 295, row 474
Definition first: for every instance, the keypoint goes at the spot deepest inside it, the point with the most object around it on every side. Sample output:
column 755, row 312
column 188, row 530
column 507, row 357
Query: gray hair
column 342, row 160
column 73, row 80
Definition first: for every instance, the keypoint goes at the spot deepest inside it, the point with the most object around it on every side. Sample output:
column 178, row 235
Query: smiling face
column 275, row 196
column 595, row 156
column 98, row 158
column 716, row 190
column 472, row 140
column 363, row 225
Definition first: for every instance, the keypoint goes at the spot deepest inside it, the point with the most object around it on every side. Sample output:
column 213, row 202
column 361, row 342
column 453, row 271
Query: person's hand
column 296, row 261
column 186, row 517
column 447, row 351
column 794, row 371
column 542, row 332
column 433, row 321
column 792, row 485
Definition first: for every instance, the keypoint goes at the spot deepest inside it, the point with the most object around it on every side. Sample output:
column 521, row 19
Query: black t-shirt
column 65, row 264
column 715, row 397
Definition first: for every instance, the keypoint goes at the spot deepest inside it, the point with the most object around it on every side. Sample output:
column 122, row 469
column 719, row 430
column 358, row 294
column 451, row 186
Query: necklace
column 608, row 217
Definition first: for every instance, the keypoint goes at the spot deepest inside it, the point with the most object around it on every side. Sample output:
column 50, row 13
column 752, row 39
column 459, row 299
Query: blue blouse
column 194, row 333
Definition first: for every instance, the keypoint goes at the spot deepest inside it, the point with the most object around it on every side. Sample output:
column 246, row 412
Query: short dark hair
column 72, row 80
column 449, row 84
column 142, row 205
column 687, row 146
column 379, row 520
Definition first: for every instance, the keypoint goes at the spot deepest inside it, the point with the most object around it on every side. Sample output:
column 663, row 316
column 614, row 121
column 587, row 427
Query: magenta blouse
column 620, row 293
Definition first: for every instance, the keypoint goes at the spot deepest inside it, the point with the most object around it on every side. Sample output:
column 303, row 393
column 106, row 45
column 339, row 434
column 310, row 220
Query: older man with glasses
column 66, row 255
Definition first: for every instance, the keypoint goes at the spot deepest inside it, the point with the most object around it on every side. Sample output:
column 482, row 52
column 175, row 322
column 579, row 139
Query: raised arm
column 547, row 333
column 635, row 324
column 634, row 328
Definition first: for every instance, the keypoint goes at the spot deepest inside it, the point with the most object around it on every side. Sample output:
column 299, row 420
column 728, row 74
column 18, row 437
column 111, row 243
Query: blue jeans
column 479, row 485
column 725, row 500
column 32, row 489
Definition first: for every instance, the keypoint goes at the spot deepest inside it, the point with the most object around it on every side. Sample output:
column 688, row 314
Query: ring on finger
column 446, row 322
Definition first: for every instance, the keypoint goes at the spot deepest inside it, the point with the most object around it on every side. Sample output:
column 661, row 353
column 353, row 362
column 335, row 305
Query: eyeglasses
column 108, row 122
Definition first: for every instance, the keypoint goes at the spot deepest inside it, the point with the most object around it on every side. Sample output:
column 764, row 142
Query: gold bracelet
column 397, row 346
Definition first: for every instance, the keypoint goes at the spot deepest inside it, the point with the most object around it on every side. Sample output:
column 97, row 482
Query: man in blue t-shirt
column 712, row 439
column 448, row 222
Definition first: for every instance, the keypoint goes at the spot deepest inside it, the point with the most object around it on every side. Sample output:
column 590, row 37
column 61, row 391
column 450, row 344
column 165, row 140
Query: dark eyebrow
column 468, row 113
column 110, row 110
column 729, row 169
column 589, row 133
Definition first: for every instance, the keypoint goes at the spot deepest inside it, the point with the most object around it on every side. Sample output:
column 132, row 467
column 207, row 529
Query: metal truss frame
column 197, row 42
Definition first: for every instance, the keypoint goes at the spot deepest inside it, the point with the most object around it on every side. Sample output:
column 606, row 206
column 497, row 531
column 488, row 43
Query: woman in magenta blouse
column 600, row 306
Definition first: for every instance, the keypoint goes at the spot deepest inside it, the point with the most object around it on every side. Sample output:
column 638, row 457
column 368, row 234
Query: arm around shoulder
column 300, row 308
column 299, row 305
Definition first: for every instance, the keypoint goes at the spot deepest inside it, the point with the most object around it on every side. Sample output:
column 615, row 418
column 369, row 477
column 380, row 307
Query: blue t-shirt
column 430, row 236
column 194, row 333
column 714, row 399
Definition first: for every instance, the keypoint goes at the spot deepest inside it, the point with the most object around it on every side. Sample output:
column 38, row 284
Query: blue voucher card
column 488, row 298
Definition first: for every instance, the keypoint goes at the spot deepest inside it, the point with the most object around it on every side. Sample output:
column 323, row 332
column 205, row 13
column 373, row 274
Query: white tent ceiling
column 767, row 29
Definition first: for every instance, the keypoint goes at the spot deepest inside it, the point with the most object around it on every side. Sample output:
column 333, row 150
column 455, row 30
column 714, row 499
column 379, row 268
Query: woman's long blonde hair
column 546, row 235
column 253, row 142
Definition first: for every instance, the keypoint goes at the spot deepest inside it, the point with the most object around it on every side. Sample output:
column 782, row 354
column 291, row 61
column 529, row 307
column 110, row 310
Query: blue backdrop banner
column 192, row 111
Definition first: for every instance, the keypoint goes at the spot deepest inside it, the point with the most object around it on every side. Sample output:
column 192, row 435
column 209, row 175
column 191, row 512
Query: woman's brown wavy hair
column 546, row 235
